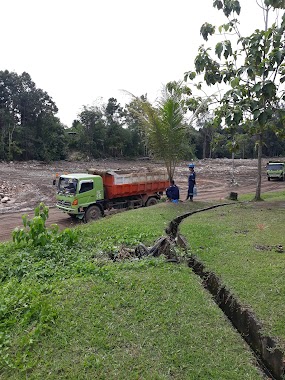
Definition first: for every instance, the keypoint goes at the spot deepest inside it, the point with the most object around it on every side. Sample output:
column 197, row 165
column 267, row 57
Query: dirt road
column 29, row 183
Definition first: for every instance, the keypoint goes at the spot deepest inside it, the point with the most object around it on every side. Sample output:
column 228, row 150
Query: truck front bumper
column 275, row 176
column 66, row 208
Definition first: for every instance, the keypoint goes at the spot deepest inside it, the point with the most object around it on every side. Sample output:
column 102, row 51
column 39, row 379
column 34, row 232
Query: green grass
column 142, row 320
column 240, row 244
column 270, row 196
column 71, row 313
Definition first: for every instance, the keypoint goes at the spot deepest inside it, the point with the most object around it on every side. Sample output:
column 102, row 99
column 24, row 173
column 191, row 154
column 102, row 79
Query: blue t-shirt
column 172, row 192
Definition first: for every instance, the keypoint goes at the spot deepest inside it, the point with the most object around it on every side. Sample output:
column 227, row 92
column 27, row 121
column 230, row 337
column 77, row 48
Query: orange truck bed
column 118, row 184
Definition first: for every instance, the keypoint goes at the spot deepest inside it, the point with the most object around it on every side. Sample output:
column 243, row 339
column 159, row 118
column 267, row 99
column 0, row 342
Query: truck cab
column 77, row 192
column 275, row 170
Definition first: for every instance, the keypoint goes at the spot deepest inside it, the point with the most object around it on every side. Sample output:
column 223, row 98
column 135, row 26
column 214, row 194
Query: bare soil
column 26, row 184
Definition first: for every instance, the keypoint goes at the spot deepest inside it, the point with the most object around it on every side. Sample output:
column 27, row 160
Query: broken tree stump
column 233, row 196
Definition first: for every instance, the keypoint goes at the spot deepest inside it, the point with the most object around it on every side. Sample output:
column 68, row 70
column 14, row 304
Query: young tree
column 164, row 126
column 254, row 70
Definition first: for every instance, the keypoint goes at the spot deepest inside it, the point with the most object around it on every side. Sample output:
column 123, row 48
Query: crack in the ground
column 270, row 358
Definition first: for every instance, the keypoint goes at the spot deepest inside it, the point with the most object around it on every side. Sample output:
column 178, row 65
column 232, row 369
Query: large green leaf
column 235, row 82
column 257, row 87
column 269, row 90
column 262, row 118
column 206, row 30
column 227, row 49
column 238, row 116
column 218, row 4
column 219, row 49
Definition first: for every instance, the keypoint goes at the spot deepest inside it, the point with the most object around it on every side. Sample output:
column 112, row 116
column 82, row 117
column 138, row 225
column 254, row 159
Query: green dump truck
column 275, row 170
column 87, row 195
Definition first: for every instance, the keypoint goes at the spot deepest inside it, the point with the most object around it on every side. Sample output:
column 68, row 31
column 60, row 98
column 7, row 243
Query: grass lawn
column 71, row 313
column 142, row 320
column 241, row 244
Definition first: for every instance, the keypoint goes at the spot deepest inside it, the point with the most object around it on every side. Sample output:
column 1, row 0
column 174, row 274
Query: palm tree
column 164, row 126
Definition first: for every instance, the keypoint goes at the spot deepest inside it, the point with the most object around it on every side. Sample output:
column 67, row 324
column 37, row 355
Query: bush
column 35, row 233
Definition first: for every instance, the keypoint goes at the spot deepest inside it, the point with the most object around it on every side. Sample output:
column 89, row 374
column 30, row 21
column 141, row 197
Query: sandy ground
column 29, row 183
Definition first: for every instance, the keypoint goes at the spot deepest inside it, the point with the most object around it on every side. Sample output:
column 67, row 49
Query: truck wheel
column 92, row 213
column 268, row 178
column 151, row 202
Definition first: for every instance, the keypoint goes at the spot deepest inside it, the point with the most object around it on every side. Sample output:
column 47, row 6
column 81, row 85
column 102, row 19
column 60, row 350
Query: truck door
column 86, row 193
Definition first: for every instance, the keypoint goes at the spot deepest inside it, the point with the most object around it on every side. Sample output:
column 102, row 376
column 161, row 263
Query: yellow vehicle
column 275, row 170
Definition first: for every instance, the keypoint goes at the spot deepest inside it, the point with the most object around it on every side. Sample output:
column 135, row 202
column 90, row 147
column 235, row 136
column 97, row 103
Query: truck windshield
column 67, row 185
column 275, row 167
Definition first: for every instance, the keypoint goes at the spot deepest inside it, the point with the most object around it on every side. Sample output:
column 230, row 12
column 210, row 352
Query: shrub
column 35, row 232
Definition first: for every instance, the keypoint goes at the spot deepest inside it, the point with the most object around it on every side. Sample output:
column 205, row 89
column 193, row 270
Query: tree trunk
column 210, row 147
column 233, row 167
column 259, row 156
column 10, row 142
column 204, row 146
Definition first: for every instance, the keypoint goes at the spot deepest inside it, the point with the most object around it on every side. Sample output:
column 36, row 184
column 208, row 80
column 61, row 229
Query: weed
column 35, row 233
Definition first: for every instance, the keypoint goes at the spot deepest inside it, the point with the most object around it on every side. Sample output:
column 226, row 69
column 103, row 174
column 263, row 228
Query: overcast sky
column 79, row 51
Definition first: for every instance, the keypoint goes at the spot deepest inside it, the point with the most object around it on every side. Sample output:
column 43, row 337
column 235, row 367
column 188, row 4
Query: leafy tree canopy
column 27, row 115
column 164, row 125
column 253, row 68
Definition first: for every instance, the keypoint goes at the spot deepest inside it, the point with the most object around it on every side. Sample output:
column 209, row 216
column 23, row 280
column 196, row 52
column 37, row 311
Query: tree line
column 30, row 130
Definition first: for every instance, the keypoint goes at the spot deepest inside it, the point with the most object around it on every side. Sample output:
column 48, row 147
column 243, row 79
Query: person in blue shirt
column 191, row 182
column 172, row 192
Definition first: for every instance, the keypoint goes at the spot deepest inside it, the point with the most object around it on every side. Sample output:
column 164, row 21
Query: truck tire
column 151, row 202
column 92, row 213
column 268, row 178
